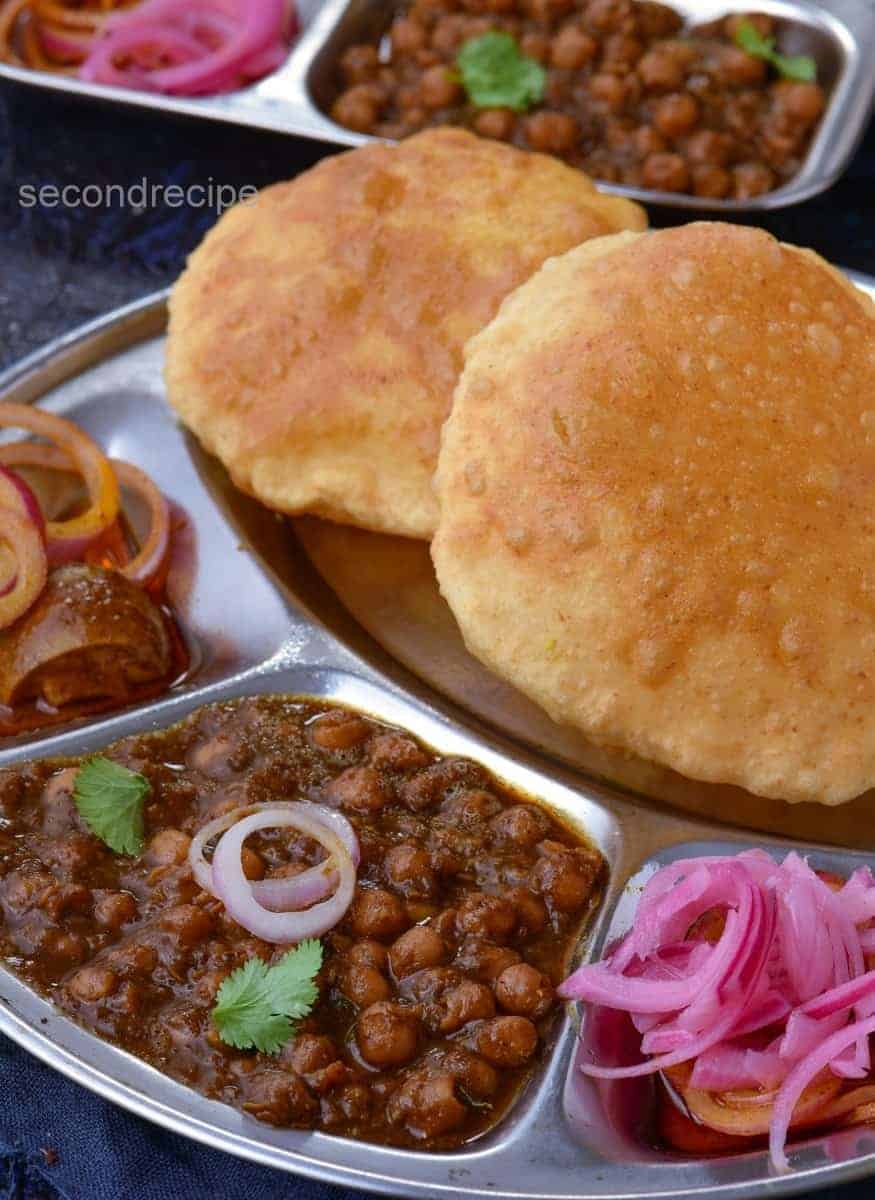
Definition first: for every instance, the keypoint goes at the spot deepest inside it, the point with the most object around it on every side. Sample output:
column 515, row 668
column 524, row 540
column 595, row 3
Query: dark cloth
column 60, row 266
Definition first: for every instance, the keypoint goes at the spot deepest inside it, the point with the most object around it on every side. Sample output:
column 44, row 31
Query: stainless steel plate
column 298, row 638
column 296, row 98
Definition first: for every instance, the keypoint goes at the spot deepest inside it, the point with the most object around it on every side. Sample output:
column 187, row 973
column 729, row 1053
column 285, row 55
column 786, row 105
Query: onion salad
column 175, row 47
column 280, row 910
column 746, row 983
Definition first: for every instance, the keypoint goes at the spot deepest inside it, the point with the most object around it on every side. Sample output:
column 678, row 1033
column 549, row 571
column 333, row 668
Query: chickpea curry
column 433, row 996
column 627, row 92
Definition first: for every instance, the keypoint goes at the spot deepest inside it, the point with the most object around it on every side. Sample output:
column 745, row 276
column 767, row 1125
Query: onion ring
column 24, row 538
column 232, row 887
column 279, row 895
column 153, row 552
column 67, row 540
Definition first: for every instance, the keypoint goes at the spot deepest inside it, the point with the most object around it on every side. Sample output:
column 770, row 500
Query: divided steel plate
column 367, row 629
column 839, row 34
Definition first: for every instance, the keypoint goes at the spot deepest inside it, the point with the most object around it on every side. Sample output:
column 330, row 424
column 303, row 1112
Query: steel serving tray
column 295, row 99
column 300, row 639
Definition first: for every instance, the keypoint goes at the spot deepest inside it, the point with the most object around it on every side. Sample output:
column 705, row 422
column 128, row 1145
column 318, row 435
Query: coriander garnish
column 495, row 74
column 257, row 1005
column 798, row 67
column 110, row 798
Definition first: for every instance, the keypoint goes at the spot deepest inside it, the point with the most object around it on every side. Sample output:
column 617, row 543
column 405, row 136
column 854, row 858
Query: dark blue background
column 59, row 267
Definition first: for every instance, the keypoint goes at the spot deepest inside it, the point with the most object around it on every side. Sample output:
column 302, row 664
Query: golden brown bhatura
column 316, row 336
column 657, row 492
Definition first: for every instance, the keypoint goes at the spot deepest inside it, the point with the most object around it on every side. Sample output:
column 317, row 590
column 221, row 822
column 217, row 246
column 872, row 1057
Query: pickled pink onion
column 190, row 47
column 780, row 995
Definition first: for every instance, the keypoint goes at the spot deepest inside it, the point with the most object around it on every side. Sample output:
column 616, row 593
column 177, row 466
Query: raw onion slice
column 753, row 975
column 66, row 541
column 232, row 887
column 296, row 891
column 254, row 30
column 152, row 556
column 24, row 538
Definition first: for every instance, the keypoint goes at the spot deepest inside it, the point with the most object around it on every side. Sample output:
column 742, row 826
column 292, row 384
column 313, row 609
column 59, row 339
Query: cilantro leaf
column 798, row 67
column 257, row 1005
column 496, row 75
column 109, row 798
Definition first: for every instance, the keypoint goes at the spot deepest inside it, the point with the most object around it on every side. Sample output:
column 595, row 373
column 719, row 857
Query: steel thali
column 310, row 608
column 296, row 98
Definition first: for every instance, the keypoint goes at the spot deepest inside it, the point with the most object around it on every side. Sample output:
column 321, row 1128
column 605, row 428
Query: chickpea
column 485, row 960
column 93, row 983
column 112, row 910
column 253, row 864
column 474, row 1073
column 357, row 108
column 521, row 824
column 552, row 132
column 803, row 102
column 358, row 789
column 448, row 34
column 465, row 1002
column 339, row 730
column 358, row 64
column 387, row 1034
column 608, row 16
column 709, row 146
column 621, row 51
column 565, row 877
column 368, row 953
column 751, row 179
column 498, row 123
column 394, row 752
column 763, row 24
column 532, row 914
column 535, row 45
column 64, row 949
column 376, row 913
column 469, row 807
column 647, row 141
column 506, row 1041
column 438, row 88
column 608, row 90
column 657, row 20
column 426, row 1104
column 710, row 181
column 665, row 173
column 418, row 948
column 675, row 114
column 168, row 847
column 188, row 924
column 309, row 1052
column 661, row 70
column 524, row 991
column 572, row 48
column 364, row 985
column 737, row 68
column 546, row 10
column 278, row 1097
column 486, row 916
column 407, row 35
column 408, row 869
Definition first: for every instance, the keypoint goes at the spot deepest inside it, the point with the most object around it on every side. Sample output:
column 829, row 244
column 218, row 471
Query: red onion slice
column 232, row 887
column 67, row 540
column 24, row 539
